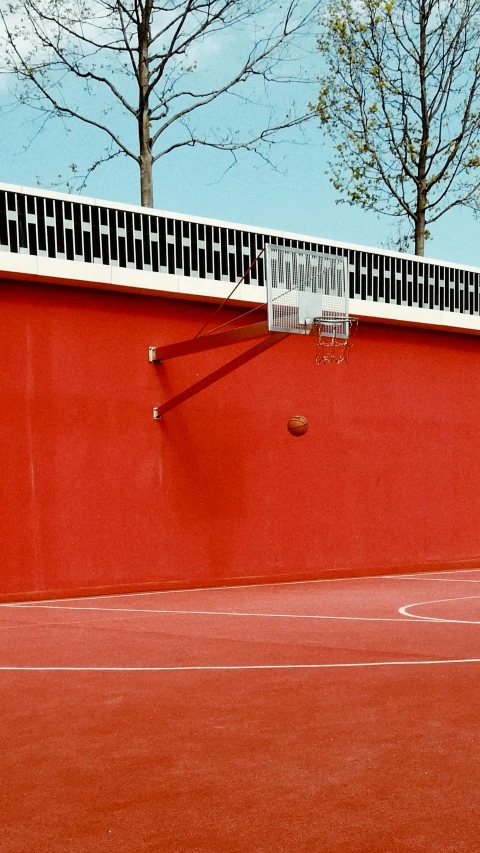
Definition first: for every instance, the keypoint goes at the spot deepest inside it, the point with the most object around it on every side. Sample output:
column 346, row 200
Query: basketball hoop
column 308, row 294
column 334, row 338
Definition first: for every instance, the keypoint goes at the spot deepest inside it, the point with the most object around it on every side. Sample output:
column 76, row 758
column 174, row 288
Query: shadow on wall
column 203, row 450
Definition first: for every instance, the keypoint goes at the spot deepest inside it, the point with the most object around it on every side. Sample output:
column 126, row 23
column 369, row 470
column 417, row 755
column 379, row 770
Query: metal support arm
column 206, row 342
column 273, row 338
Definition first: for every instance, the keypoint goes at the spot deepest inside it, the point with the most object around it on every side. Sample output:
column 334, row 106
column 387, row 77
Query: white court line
column 231, row 668
column 404, row 611
column 209, row 613
column 227, row 587
column 446, row 572
column 438, row 580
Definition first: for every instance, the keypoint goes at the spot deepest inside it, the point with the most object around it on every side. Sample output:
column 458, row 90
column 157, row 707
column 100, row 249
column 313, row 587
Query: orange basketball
column 297, row 425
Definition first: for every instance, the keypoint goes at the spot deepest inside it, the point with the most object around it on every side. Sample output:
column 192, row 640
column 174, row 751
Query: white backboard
column 303, row 286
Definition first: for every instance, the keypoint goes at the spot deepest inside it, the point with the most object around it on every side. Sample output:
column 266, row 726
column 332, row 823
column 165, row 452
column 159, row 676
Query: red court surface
column 321, row 716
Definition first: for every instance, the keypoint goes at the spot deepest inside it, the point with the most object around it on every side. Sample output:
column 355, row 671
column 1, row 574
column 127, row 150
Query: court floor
column 337, row 716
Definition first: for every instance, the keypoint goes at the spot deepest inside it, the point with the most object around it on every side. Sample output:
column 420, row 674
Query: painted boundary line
column 434, row 572
column 437, row 580
column 153, row 612
column 406, row 607
column 262, row 586
column 225, row 588
column 207, row 668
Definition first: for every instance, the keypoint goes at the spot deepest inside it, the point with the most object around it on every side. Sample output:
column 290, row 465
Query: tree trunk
column 420, row 228
column 422, row 154
column 146, row 183
column 143, row 116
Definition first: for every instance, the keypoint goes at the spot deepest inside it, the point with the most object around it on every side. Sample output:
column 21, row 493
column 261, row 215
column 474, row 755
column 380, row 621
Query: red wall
column 97, row 495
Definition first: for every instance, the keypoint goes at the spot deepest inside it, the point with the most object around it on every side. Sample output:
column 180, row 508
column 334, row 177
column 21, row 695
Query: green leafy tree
column 400, row 99
column 117, row 64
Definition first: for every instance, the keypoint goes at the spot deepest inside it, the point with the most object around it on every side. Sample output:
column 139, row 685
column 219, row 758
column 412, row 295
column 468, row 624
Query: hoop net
column 334, row 338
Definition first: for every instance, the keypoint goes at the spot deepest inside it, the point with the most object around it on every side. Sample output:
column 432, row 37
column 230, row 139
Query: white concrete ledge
column 427, row 318
column 81, row 274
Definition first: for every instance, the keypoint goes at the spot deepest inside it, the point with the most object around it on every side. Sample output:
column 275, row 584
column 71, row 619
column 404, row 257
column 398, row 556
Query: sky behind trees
column 296, row 195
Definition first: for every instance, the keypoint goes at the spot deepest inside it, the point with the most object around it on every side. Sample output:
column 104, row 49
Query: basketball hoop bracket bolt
column 152, row 351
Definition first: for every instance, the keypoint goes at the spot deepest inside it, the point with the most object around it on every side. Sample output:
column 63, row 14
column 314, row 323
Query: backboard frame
column 304, row 286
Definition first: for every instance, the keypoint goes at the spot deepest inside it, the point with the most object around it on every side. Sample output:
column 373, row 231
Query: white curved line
column 404, row 611
column 229, row 668
column 437, row 580
column 227, row 587
column 224, row 588
column 209, row 613
column 426, row 575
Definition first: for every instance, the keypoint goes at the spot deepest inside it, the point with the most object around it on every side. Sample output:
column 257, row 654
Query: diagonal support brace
column 222, row 339
column 273, row 338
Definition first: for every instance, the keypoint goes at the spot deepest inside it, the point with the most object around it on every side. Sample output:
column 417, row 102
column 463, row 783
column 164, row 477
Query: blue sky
column 295, row 196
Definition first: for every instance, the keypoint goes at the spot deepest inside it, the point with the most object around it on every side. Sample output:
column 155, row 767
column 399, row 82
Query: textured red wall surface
column 96, row 495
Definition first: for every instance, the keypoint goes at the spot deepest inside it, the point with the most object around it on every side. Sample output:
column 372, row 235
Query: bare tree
column 97, row 60
column 400, row 98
